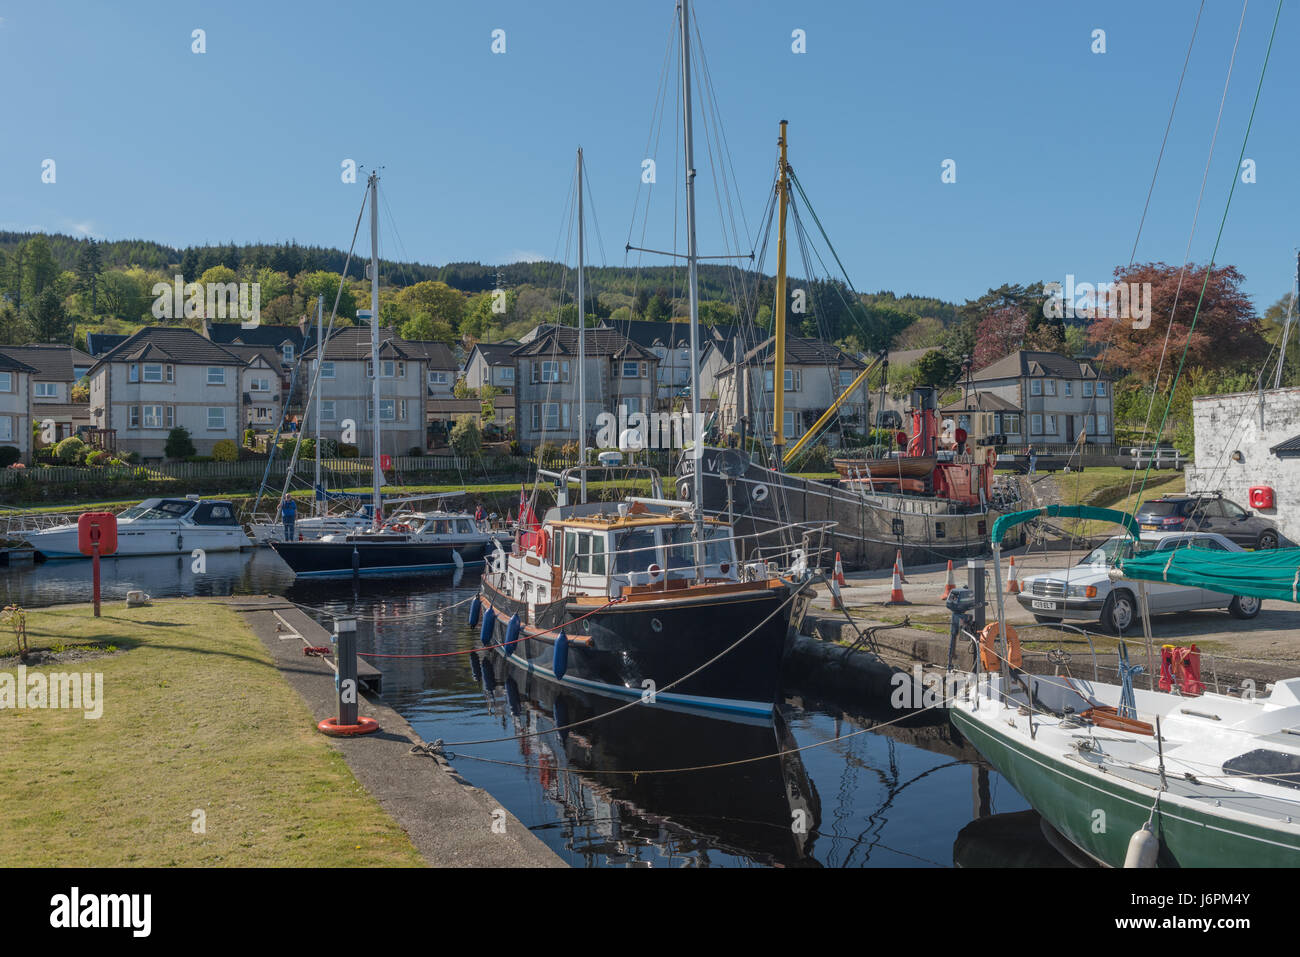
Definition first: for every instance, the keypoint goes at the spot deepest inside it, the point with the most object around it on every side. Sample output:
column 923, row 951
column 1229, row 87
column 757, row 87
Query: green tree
column 39, row 269
column 89, row 266
column 322, row 283
column 466, row 440
column 49, row 320
column 179, row 445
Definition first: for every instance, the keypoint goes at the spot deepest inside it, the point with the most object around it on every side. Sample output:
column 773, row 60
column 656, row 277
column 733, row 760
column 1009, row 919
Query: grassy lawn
column 1109, row 488
column 195, row 717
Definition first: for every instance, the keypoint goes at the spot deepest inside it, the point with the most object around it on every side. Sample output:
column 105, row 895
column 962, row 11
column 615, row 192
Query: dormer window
column 286, row 351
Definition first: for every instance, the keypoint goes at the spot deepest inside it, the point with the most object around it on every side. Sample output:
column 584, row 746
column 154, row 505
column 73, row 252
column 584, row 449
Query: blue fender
column 489, row 623
column 512, row 633
column 560, row 659
column 475, row 609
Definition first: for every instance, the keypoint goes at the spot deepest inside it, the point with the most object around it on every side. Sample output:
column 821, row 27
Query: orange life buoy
column 543, row 543
column 400, row 527
column 989, row 659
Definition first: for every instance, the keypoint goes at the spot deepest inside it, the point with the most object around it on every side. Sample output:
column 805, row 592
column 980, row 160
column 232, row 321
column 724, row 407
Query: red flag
column 529, row 527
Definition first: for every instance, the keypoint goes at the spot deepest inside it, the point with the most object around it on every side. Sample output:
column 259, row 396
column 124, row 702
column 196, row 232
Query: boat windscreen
column 681, row 551
column 635, row 551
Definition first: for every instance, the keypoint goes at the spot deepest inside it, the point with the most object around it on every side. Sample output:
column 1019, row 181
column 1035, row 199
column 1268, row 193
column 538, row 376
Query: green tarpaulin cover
column 1267, row 573
column 1064, row 511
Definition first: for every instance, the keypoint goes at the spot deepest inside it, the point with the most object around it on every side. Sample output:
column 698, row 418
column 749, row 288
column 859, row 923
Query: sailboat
column 930, row 501
column 645, row 598
column 408, row 542
column 1180, row 776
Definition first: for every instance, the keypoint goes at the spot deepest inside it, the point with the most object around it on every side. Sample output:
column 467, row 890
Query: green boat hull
column 1099, row 814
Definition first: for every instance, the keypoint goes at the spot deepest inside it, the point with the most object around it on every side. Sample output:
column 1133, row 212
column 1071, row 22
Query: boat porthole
column 656, row 625
column 759, row 493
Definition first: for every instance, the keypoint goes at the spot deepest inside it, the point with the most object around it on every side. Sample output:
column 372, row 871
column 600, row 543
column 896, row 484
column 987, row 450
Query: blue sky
column 1054, row 145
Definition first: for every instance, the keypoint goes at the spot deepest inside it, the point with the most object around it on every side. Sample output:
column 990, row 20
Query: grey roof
column 1022, row 363
column 802, row 352
column 353, row 343
column 169, row 344
column 599, row 341
column 50, row 361
column 269, row 354
column 99, row 343
column 494, row 353
column 437, row 354
column 1289, row 449
column 10, row 364
column 228, row 333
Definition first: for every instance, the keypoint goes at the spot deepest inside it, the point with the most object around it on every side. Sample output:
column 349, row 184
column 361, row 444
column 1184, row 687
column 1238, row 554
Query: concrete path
column 449, row 821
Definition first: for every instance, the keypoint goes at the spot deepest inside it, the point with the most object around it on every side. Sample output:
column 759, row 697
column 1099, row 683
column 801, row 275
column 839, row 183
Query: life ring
column 759, row 494
column 654, row 571
column 989, row 659
column 543, row 543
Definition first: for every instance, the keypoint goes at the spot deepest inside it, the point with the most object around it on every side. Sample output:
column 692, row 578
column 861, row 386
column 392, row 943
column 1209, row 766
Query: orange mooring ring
column 332, row 727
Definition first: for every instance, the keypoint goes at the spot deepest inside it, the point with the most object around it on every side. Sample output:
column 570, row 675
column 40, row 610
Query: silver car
column 1086, row 592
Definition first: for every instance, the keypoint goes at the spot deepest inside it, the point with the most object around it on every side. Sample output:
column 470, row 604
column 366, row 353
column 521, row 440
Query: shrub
column 116, row 462
column 346, row 451
column 516, row 448
column 250, row 436
column 9, row 454
column 96, row 457
column 70, row 451
column 416, row 451
column 179, row 445
column 225, row 450
column 466, row 440
column 307, row 449
column 132, row 457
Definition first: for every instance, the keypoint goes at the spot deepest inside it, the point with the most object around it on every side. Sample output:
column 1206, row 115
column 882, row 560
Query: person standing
column 1033, row 461
column 289, row 513
column 478, row 515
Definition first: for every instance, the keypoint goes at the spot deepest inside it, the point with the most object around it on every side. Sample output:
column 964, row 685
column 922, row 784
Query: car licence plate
column 1149, row 528
column 1043, row 605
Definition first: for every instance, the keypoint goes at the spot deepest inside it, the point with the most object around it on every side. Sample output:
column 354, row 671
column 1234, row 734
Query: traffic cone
column 1013, row 583
column 898, row 563
column 896, row 593
column 952, row 582
column 837, row 580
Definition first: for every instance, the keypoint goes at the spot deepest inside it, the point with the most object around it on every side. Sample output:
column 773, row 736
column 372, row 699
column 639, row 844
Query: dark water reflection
column 898, row 797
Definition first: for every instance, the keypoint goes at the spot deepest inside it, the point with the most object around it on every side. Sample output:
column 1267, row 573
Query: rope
column 439, row 745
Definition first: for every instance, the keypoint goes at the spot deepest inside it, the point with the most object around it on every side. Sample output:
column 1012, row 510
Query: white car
column 1086, row 591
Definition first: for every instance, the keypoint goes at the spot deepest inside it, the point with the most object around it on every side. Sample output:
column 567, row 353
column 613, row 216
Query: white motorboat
column 157, row 526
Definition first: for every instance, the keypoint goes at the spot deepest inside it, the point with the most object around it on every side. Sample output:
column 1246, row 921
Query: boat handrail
column 566, row 477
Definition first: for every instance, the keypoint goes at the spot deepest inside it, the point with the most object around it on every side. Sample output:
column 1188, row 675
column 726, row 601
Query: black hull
column 748, row 809
column 631, row 649
column 341, row 559
column 870, row 527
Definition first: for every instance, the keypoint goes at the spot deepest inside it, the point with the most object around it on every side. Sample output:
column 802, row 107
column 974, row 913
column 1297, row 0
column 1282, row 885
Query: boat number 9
column 759, row 493
column 656, row 625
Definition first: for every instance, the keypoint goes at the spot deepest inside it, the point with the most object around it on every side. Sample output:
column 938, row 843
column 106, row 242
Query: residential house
column 288, row 341
column 15, row 405
column 671, row 344
column 440, row 368
column 346, row 401
column 57, row 370
column 618, row 374
column 101, row 343
column 491, row 363
column 816, row 374
column 1047, row 399
column 160, row 378
column 263, row 386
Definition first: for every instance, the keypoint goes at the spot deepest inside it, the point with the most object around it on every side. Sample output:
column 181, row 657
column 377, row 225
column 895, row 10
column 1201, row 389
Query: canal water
column 845, row 793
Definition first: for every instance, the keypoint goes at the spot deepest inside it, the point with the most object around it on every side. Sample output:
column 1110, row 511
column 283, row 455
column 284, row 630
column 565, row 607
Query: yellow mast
column 778, row 372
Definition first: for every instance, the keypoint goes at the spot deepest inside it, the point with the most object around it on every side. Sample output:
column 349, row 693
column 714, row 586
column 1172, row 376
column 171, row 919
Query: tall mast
column 319, row 496
column 691, row 261
column 1286, row 325
column 582, row 350
column 778, row 370
column 376, row 499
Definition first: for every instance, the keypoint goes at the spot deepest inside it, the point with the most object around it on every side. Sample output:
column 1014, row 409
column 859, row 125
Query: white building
column 15, row 405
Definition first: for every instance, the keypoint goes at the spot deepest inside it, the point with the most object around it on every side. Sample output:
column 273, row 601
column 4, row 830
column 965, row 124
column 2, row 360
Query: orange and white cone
column 951, row 583
column 1013, row 583
column 898, row 563
column 837, row 581
column 896, row 593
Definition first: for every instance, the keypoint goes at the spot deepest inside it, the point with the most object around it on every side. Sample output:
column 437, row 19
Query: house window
column 153, row 417
column 439, row 378
column 217, row 418
column 768, row 379
column 327, row 410
column 1010, row 423
column 135, row 417
column 554, row 416
column 1049, row 386
column 388, row 369
column 153, row 372
column 506, row 374
column 632, row 404
column 1087, row 390
column 6, row 428
column 1035, row 424
column 46, row 390
column 327, row 370
column 133, row 373
column 631, row 370
column 1101, row 390
column 6, row 382
column 1068, row 387
column 262, row 414
column 1035, row 386
column 846, row 377
column 551, row 371
column 390, row 410
column 259, row 384
column 1103, row 425
column 793, row 380
column 286, row 351
column 1051, row 425
column 791, row 423
column 216, row 375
